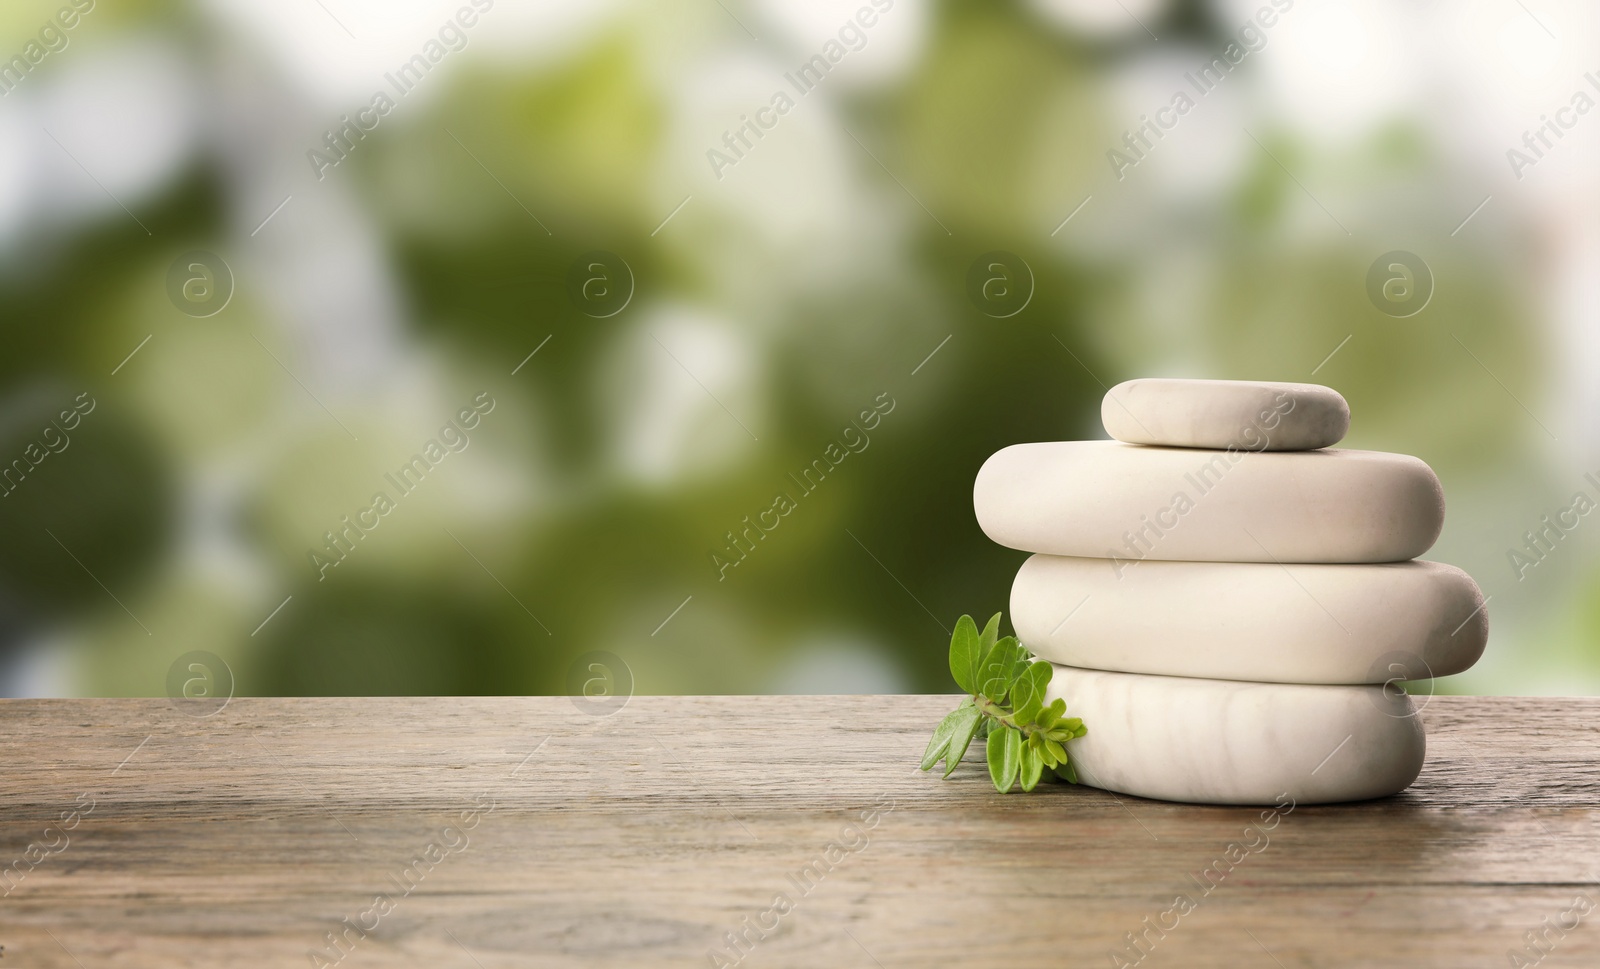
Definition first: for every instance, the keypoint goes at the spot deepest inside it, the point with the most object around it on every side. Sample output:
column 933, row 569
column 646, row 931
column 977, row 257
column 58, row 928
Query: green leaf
column 966, row 652
column 1023, row 737
column 990, row 681
column 1015, row 660
column 1005, row 752
column 995, row 753
column 1013, row 757
column 941, row 739
column 961, row 736
column 1032, row 766
column 1021, row 663
column 999, row 669
column 1052, row 714
column 991, row 632
column 1027, row 695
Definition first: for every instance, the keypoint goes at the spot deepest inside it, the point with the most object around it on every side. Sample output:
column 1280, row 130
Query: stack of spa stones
column 1231, row 604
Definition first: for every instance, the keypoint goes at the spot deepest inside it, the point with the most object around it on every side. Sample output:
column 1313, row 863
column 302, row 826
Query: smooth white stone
column 1262, row 622
column 1223, row 742
column 1247, row 414
column 1105, row 498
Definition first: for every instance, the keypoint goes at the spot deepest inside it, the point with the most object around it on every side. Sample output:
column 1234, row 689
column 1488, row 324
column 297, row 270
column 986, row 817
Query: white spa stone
column 1224, row 742
column 1106, row 498
column 1263, row 622
column 1248, row 414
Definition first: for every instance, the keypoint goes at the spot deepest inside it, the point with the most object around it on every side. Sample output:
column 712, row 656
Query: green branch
column 1006, row 689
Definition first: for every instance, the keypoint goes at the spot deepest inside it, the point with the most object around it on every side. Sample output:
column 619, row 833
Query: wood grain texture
column 642, row 838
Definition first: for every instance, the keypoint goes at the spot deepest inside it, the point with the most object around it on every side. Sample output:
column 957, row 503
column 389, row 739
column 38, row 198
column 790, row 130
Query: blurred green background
column 769, row 307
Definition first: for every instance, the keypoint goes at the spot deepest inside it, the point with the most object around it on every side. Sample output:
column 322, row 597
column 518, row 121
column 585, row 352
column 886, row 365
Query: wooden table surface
column 488, row 832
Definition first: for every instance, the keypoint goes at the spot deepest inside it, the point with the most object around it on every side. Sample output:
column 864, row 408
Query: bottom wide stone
column 1205, row 741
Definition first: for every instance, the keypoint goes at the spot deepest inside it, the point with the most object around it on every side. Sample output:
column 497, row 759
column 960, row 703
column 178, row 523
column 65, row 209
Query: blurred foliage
column 589, row 504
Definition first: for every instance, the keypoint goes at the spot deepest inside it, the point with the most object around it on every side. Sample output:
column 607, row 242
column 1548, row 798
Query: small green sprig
column 1006, row 688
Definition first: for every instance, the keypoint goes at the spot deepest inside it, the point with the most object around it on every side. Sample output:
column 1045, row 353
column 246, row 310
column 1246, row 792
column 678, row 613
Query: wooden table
column 522, row 832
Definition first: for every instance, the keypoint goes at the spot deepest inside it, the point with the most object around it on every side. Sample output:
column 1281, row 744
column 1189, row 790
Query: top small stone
column 1247, row 415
